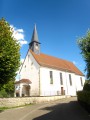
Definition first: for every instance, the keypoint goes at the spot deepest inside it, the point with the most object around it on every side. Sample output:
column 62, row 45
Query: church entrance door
column 62, row 91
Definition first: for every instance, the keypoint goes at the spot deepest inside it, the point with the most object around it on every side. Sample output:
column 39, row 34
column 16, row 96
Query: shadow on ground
column 64, row 111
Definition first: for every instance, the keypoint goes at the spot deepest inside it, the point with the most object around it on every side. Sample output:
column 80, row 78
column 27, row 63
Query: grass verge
column 5, row 108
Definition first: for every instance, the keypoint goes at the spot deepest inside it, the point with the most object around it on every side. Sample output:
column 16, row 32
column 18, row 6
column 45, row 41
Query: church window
column 51, row 77
column 70, row 79
column 31, row 63
column 25, row 67
column 37, row 44
column 61, row 79
column 81, row 81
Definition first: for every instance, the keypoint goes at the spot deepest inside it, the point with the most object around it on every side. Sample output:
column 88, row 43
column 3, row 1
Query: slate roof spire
column 35, row 35
column 34, row 45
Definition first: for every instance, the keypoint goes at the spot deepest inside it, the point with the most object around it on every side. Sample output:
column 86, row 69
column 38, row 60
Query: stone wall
column 19, row 101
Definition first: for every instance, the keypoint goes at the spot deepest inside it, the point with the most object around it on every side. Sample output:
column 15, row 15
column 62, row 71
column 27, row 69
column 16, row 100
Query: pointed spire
column 35, row 35
column 34, row 45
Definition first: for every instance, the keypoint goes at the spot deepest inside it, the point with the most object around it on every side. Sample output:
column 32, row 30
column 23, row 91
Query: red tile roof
column 23, row 81
column 56, row 63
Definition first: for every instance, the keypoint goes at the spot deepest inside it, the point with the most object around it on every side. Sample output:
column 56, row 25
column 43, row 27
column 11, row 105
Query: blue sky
column 59, row 24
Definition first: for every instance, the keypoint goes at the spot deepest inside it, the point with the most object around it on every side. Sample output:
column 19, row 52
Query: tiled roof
column 56, row 63
column 23, row 81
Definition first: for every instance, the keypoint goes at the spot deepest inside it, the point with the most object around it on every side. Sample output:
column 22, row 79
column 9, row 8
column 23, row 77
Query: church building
column 45, row 75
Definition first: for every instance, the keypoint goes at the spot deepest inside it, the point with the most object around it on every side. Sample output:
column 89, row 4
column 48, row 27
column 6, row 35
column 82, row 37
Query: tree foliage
column 87, row 85
column 9, row 53
column 7, row 90
column 84, row 44
column 9, row 87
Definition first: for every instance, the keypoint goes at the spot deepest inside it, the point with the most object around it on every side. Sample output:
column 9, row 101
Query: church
column 45, row 75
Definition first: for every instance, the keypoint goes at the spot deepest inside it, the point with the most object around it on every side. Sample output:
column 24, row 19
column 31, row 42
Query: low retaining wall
column 18, row 101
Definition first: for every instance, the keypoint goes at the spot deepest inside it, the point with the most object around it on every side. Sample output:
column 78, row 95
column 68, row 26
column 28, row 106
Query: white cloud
column 22, row 42
column 18, row 34
column 20, row 30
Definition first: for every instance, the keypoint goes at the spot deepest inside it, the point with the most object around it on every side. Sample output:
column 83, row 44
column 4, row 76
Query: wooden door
column 62, row 91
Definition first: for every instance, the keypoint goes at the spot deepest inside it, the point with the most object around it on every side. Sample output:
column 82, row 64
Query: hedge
column 84, row 99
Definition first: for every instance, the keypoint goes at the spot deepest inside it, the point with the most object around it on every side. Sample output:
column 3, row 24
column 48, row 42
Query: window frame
column 81, row 81
column 61, row 79
column 70, row 80
column 51, row 77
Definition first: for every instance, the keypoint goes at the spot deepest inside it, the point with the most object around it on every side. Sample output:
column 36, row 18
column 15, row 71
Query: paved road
column 66, row 109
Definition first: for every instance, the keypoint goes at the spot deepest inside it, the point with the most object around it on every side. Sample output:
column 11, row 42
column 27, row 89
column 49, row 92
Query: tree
column 9, row 53
column 84, row 45
column 7, row 90
column 87, row 85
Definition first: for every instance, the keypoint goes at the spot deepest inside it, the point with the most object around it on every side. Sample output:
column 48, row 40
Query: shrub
column 3, row 93
column 84, row 99
column 84, row 96
column 6, row 94
column 87, row 86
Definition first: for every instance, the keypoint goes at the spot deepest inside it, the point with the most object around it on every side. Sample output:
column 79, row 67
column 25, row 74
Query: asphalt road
column 66, row 109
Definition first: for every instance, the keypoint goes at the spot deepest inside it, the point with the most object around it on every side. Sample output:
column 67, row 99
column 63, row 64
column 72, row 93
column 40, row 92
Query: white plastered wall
column 47, row 89
column 40, row 78
column 30, row 70
column 78, row 82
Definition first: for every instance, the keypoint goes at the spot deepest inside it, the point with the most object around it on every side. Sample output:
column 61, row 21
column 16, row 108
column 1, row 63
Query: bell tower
column 34, row 45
